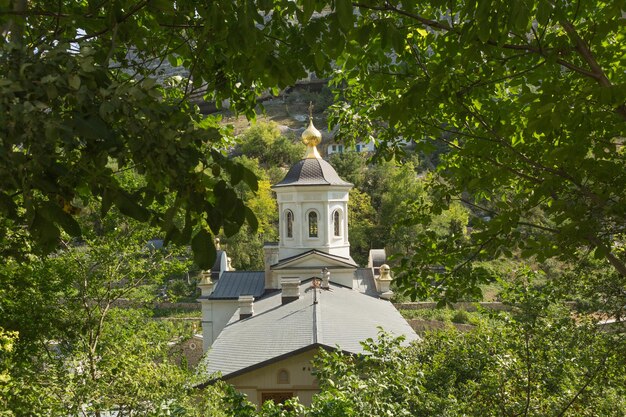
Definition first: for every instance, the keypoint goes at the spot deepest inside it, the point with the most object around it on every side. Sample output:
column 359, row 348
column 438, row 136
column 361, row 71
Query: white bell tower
column 313, row 205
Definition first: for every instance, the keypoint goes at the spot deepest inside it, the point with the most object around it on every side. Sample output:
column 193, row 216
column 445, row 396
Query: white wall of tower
column 324, row 201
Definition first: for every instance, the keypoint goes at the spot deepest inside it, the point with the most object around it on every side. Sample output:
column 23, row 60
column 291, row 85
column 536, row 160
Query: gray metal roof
column 312, row 171
column 341, row 318
column 232, row 284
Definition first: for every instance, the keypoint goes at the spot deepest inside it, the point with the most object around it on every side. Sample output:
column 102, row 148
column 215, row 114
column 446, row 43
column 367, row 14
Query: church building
column 262, row 328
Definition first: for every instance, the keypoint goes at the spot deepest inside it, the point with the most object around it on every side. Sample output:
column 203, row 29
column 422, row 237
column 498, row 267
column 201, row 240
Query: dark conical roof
column 312, row 171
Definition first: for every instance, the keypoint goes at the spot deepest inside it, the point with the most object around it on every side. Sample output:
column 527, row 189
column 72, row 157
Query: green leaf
column 543, row 12
column 175, row 60
column 7, row 205
column 230, row 228
column 320, row 60
column 250, row 178
column 203, row 249
column 236, row 175
column 107, row 202
column 345, row 14
column 483, row 32
column 74, row 81
column 45, row 232
column 128, row 206
column 252, row 220
column 56, row 214
column 308, row 7
column 600, row 252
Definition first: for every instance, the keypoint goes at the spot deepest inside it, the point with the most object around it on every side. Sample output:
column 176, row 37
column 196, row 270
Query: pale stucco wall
column 323, row 200
column 265, row 379
column 215, row 316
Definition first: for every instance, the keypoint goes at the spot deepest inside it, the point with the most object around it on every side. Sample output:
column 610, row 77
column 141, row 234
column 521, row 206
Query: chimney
column 290, row 289
column 206, row 285
column 325, row 278
column 270, row 257
column 246, row 306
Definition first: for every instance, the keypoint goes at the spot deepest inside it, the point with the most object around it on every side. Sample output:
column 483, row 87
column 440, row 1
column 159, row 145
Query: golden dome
column 311, row 136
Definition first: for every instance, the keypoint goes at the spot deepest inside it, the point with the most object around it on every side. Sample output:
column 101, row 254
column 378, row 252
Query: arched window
column 337, row 223
column 289, row 220
column 282, row 377
column 312, row 224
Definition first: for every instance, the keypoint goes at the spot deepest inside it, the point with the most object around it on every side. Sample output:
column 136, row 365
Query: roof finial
column 311, row 137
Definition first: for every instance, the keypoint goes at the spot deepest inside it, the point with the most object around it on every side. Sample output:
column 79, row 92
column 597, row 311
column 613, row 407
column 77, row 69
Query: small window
column 282, row 377
column 277, row 397
column 337, row 223
column 358, row 148
column 289, row 219
column 334, row 148
column 340, row 148
column 312, row 224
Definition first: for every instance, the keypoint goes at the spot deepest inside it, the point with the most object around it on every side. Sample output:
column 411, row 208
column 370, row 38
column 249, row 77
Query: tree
column 246, row 247
column 351, row 166
column 80, row 101
column 529, row 99
column 264, row 142
column 361, row 223
column 77, row 349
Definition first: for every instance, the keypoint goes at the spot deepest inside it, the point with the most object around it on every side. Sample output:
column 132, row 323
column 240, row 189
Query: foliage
column 246, row 247
column 443, row 314
column 388, row 203
column 384, row 381
column 80, row 101
column 527, row 96
column 351, row 166
column 177, row 289
column 401, row 200
column 77, row 350
column 529, row 100
column 7, row 343
column 320, row 100
column 264, row 142
column 361, row 224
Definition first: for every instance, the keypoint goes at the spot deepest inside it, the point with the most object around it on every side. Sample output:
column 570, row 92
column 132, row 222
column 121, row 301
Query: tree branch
column 585, row 52
column 614, row 260
column 131, row 12
column 596, row 71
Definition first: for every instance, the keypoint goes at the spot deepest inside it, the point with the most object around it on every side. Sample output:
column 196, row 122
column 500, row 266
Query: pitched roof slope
column 236, row 283
column 340, row 318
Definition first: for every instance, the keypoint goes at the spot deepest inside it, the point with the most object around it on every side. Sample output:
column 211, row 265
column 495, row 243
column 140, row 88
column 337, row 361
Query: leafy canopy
column 526, row 95
column 528, row 98
column 83, row 96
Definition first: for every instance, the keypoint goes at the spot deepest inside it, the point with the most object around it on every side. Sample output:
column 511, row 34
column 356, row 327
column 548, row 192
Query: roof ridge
column 316, row 313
